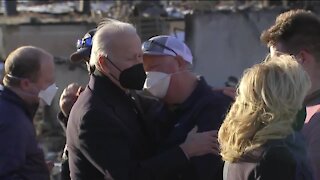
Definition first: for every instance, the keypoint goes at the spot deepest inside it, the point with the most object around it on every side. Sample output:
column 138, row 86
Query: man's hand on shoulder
column 228, row 91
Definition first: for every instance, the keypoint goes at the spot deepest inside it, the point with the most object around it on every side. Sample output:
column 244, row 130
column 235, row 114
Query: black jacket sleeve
column 209, row 166
column 106, row 144
column 63, row 120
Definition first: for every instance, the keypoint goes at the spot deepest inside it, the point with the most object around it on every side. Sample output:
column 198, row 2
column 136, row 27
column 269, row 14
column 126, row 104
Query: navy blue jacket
column 276, row 160
column 205, row 109
column 20, row 155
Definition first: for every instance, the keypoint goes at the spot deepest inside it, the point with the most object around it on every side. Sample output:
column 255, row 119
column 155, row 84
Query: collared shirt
column 312, row 102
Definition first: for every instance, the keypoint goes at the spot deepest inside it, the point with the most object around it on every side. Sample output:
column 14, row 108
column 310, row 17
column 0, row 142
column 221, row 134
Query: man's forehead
column 47, row 69
column 125, row 48
column 125, row 38
column 157, row 58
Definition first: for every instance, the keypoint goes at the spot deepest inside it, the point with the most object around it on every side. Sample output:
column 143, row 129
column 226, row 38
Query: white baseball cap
column 167, row 45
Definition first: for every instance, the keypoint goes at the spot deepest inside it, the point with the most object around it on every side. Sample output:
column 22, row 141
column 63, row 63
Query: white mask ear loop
column 46, row 95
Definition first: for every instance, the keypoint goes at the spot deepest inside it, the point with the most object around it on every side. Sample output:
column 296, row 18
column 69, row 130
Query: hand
column 197, row 144
column 50, row 165
column 228, row 91
column 68, row 97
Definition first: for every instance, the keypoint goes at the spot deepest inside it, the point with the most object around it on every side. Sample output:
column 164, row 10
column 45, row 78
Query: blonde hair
column 268, row 98
column 106, row 32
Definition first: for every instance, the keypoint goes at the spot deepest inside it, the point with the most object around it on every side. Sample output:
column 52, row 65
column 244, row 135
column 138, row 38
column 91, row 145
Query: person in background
column 231, row 82
column 1, row 75
column 84, row 47
column 257, row 138
column 188, row 102
column 296, row 32
column 71, row 93
column 29, row 78
column 73, row 90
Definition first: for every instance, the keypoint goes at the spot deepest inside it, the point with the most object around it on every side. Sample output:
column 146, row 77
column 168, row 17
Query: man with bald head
column 29, row 78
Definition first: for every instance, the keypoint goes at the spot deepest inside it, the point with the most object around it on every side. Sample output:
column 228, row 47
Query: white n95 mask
column 157, row 83
column 48, row 94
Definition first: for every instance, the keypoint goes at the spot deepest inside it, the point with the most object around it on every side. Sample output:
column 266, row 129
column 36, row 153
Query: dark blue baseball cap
column 84, row 46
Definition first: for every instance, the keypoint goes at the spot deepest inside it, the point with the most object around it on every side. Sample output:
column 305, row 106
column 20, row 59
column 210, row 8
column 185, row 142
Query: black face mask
column 132, row 77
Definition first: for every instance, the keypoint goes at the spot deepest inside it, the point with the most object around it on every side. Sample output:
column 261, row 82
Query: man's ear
column 305, row 57
column 181, row 62
column 25, row 84
column 183, row 65
column 102, row 63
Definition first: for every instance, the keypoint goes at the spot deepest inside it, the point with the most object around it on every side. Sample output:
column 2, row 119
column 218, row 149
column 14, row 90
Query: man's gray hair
column 102, row 39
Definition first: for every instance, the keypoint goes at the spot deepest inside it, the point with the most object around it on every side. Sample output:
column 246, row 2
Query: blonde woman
column 257, row 138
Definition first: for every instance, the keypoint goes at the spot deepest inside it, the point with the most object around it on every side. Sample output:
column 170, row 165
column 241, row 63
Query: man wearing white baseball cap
column 189, row 102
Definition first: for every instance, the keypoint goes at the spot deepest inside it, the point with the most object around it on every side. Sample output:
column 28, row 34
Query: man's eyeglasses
column 85, row 42
column 155, row 46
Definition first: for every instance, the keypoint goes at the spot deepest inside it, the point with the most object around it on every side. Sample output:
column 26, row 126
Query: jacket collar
column 294, row 142
column 11, row 96
column 106, row 89
column 313, row 98
column 200, row 89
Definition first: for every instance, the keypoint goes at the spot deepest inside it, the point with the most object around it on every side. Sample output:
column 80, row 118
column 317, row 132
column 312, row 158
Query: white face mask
column 157, row 83
column 48, row 94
